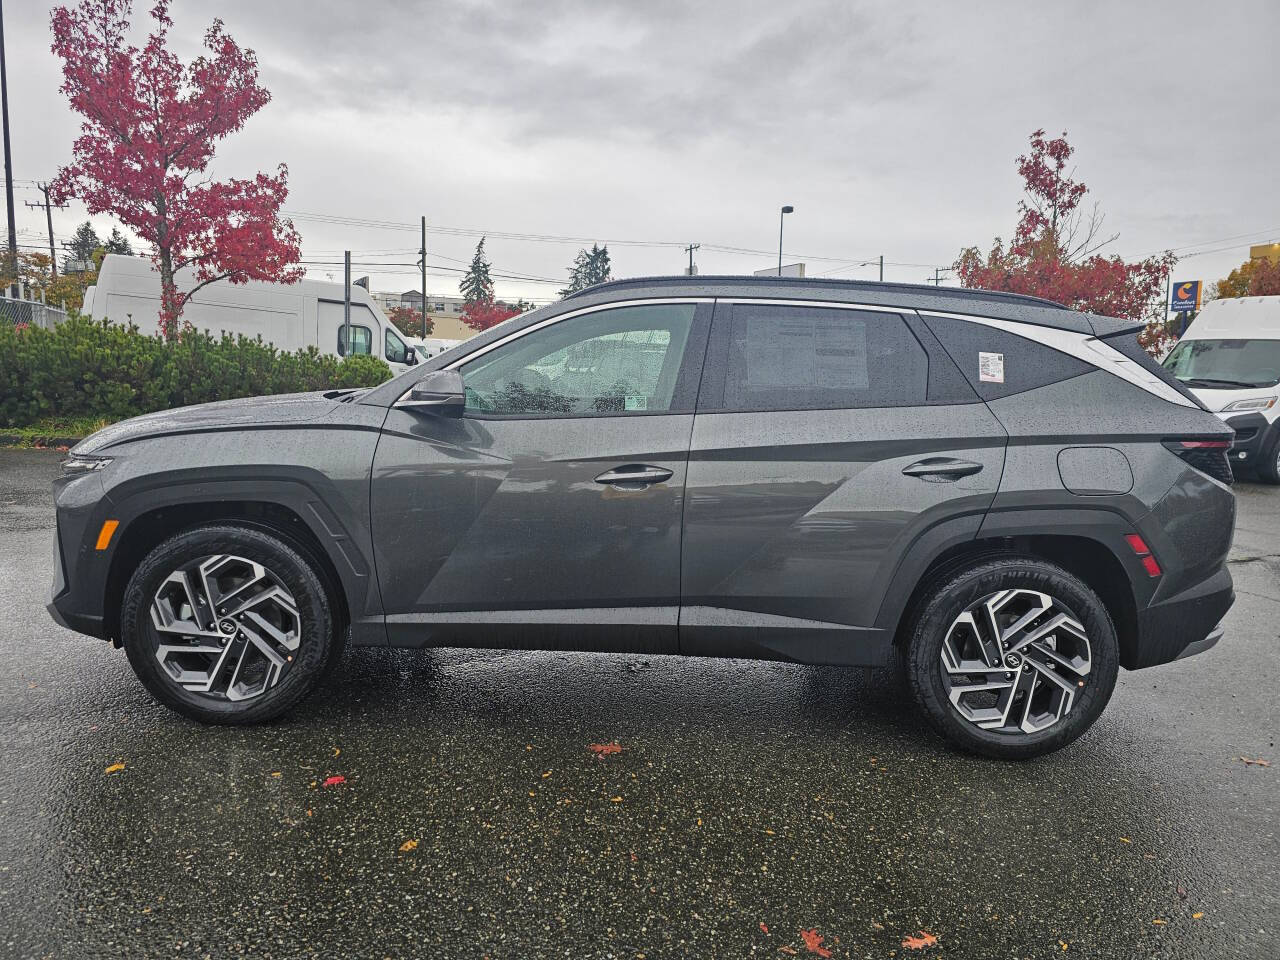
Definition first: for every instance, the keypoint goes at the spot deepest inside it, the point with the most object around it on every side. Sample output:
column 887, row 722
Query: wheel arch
column 1090, row 556
column 150, row 528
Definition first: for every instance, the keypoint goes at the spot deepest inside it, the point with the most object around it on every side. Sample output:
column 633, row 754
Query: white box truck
column 1230, row 359
column 289, row 316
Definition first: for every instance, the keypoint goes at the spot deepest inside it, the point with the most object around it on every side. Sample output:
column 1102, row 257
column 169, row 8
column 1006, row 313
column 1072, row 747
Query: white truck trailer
column 289, row 316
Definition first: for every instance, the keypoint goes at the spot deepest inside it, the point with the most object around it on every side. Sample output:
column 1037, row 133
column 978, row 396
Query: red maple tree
column 1054, row 253
column 409, row 321
column 483, row 314
column 150, row 127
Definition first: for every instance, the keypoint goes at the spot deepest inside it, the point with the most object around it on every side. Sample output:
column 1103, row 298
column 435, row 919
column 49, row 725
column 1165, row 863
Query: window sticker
column 635, row 403
column 991, row 367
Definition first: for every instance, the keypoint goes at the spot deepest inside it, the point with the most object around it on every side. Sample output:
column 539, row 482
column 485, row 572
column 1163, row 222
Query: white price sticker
column 991, row 367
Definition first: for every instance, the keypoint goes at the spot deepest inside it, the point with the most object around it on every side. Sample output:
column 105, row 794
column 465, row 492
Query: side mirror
column 440, row 392
column 411, row 356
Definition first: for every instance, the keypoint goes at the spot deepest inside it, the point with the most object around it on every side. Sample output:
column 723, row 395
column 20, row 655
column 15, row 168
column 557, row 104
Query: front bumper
column 80, row 570
column 1255, row 439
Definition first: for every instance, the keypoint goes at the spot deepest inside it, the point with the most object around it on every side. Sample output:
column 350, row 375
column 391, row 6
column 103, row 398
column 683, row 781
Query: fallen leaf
column 1063, row 945
column 634, row 858
column 335, row 781
column 1125, row 840
column 813, row 942
column 114, row 768
column 615, row 799
column 547, row 774
column 1160, row 923
column 1258, row 762
column 920, row 941
column 1197, row 916
column 604, row 749
column 337, row 750
column 276, row 773
column 408, row 845
column 876, row 926
column 764, row 927
column 791, row 951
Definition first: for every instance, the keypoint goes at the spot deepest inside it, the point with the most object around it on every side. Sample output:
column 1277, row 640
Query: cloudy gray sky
column 892, row 127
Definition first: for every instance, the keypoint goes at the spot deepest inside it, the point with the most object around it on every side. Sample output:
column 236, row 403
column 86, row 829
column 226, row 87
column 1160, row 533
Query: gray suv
column 999, row 494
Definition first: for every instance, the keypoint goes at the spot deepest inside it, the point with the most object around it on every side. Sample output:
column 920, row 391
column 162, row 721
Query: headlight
column 75, row 465
column 1257, row 403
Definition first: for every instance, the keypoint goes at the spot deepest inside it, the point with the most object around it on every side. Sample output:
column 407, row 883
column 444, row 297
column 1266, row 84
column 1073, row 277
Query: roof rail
column 917, row 289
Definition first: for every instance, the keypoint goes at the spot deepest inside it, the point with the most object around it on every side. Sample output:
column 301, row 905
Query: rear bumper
column 1184, row 625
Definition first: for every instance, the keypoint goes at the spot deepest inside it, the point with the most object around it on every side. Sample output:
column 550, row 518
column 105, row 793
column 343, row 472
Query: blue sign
column 1186, row 296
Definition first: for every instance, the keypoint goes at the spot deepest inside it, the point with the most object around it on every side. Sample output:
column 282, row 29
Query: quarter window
column 620, row 361
column 815, row 358
column 361, row 339
column 998, row 363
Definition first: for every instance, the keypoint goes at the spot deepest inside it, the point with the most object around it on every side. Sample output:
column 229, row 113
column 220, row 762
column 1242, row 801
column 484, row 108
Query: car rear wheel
column 1011, row 658
column 227, row 624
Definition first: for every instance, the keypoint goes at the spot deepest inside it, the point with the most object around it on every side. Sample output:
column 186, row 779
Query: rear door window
column 775, row 357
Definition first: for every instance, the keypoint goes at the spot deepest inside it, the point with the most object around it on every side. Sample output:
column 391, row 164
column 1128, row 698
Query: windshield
column 1226, row 364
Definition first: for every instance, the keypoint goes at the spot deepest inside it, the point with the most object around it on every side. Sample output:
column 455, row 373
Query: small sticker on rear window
column 991, row 367
column 635, row 403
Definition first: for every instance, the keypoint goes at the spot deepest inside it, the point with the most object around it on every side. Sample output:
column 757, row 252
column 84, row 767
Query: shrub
column 88, row 368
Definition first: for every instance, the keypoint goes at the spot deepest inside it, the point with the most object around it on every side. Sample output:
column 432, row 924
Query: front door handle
column 634, row 476
column 941, row 468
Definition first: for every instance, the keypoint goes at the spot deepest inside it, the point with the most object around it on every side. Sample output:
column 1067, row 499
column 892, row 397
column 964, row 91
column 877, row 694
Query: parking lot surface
column 447, row 804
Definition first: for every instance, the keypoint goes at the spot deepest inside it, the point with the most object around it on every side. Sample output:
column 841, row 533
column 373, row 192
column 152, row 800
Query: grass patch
column 52, row 431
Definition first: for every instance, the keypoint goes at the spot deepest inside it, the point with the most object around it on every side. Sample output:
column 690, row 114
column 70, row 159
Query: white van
column 290, row 316
column 1230, row 359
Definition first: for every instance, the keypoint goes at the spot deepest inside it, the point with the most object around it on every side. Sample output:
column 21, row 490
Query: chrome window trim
column 1082, row 346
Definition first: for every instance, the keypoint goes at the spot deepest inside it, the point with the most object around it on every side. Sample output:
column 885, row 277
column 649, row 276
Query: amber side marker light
column 1143, row 552
column 106, row 533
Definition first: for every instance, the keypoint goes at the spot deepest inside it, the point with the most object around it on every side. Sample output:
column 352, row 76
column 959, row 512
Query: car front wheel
column 227, row 624
column 1011, row 658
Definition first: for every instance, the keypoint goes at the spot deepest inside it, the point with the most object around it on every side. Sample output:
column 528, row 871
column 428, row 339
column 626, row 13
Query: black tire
column 946, row 598
column 315, row 653
column 1269, row 468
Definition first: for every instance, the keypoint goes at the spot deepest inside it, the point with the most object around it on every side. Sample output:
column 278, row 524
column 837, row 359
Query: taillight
column 1143, row 553
column 1207, row 456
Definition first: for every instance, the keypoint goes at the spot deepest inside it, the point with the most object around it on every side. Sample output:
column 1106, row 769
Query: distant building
column 444, row 312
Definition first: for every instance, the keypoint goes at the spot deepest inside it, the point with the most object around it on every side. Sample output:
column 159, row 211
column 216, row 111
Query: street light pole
column 785, row 210
column 8, row 160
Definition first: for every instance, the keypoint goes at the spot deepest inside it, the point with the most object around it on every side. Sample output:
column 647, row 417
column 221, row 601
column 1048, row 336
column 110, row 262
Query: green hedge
column 88, row 368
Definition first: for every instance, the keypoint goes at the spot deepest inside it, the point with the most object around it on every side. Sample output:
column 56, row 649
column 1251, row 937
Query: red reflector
column 1137, row 544
column 1205, row 444
column 1149, row 564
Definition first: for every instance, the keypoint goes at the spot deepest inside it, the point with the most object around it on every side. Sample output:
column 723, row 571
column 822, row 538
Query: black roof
column 913, row 296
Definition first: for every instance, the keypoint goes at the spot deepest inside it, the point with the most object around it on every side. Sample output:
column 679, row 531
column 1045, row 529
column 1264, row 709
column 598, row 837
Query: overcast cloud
column 892, row 127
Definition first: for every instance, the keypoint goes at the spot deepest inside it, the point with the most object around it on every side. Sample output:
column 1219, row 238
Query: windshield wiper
column 1218, row 382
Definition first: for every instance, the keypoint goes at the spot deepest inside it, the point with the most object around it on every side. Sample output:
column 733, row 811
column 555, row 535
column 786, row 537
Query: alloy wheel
column 227, row 627
column 1015, row 661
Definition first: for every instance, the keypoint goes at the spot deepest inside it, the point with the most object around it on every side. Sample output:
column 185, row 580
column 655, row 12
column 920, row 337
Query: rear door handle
column 634, row 476
column 941, row 468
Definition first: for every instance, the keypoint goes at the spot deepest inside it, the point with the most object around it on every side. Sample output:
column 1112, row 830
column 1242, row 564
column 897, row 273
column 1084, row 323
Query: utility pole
column 689, row 249
column 882, row 268
column 346, row 303
column 423, row 251
column 8, row 161
column 48, row 218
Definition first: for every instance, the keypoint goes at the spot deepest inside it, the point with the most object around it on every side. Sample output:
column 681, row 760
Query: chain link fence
column 30, row 313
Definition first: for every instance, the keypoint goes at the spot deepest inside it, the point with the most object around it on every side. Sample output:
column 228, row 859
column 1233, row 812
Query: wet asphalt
column 749, row 802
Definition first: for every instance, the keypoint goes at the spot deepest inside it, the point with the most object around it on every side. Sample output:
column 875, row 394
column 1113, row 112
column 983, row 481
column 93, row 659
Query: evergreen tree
column 82, row 244
column 118, row 243
column 477, row 285
column 589, row 268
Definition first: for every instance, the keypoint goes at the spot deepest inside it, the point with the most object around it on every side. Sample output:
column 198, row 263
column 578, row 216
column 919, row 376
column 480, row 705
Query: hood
column 283, row 408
